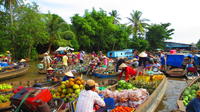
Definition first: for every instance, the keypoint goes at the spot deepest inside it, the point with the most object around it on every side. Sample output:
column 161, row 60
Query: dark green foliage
column 198, row 44
column 157, row 34
column 26, row 32
column 140, row 44
column 97, row 30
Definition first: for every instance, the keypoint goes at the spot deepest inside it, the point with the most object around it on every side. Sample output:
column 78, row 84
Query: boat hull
column 154, row 100
column 175, row 73
column 104, row 76
column 180, row 102
column 13, row 74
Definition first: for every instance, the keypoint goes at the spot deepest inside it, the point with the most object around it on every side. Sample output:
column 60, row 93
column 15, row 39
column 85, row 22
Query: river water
column 167, row 104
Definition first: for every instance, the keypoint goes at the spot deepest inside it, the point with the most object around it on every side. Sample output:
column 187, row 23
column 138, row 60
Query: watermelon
column 186, row 93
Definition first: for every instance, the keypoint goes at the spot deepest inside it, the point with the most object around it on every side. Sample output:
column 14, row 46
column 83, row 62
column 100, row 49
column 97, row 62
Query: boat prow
column 13, row 74
column 176, row 73
column 180, row 104
column 154, row 99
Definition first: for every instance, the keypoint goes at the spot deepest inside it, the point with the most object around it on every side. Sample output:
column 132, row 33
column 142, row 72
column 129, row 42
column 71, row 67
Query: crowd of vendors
column 6, row 62
column 143, row 67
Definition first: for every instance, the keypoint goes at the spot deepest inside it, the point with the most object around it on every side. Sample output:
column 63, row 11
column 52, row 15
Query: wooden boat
column 14, row 73
column 99, row 75
column 154, row 99
column 180, row 101
column 176, row 73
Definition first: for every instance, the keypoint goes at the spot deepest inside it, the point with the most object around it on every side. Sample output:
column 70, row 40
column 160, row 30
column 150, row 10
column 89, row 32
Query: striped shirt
column 86, row 101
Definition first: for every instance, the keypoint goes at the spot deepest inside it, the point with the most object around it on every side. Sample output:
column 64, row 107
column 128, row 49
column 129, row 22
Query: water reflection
column 175, row 87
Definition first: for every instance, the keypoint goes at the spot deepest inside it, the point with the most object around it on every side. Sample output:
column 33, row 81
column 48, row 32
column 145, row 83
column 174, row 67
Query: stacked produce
column 69, row 90
column 146, row 78
column 122, row 84
column 140, row 82
column 5, row 100
column 123, row 109
column 150, row 86
column 157, row 77
column 190, row 93
column 142, row 78
column 128, row 98
column 5, row 87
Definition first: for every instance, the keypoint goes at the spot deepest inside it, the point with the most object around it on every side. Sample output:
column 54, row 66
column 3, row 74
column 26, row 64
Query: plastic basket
column 110, row 103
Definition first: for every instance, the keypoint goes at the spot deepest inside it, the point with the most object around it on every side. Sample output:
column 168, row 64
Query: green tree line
column 27, row 32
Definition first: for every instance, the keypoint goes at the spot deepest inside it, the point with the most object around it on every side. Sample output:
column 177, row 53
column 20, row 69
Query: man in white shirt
column 88, row 98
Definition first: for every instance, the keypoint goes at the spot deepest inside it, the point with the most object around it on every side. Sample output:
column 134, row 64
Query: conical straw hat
column 122, row 65
column 142, row 54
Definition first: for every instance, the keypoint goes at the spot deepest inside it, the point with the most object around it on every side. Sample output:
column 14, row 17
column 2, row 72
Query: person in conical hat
column 47, row 60
column 129, row 71
column 8, row 52
column 143, row 58
column 68, row 75
column 8, row 56
column 119, row 62
column 22, row 60
column 135, row 63
column 50, row 70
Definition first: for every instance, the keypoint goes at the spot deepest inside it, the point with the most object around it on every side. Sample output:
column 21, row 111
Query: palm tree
column 55, row 27
column 137, row 23
column 9, row 5
column 115, row 14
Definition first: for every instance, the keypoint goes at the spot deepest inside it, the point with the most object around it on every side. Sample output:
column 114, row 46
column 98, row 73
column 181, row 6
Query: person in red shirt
column 129, row 71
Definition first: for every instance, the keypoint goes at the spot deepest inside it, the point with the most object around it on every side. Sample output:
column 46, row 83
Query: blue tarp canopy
column 4, row 64
column 188, row 55
column 197, row 59
column 175, row 60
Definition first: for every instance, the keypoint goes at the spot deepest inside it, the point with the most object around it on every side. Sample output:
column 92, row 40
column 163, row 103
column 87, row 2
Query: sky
column 183, row 15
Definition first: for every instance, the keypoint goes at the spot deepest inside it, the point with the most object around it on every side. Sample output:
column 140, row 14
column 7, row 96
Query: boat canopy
column 64, row 48
column 175, row 60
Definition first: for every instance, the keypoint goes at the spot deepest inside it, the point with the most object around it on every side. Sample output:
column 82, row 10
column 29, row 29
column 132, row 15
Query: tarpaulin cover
column 4, row 64
column 194, row 105
column 175, row 60
column 197, row 59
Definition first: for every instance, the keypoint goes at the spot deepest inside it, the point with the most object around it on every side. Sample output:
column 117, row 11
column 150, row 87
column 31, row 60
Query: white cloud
column 182, row 14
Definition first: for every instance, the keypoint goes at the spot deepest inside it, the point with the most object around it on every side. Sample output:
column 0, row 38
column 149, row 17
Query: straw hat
column 45, row 53
column 143, row 54
column 135, row 59
column 122, row 65
column 198, row 93
column 69, row 74
column 104, row 57
column 22, row 60
column 50, row 68
column 91, row 82
column 8, row 52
